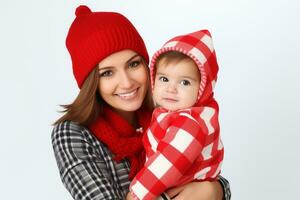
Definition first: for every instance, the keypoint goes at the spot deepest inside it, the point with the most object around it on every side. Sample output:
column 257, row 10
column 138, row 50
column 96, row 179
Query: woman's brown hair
column 88, row 104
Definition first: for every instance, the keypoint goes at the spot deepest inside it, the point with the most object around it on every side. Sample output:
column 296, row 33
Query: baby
column 183, row 142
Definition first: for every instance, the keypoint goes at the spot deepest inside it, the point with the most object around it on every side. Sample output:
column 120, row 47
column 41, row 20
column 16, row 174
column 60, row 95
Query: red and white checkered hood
column 198, row 46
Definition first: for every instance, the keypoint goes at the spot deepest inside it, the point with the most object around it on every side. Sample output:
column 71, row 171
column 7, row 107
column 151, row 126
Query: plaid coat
column 87, row 168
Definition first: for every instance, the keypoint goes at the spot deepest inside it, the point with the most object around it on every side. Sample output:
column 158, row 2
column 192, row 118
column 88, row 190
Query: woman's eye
column 134, row 63
column 106, row 73
column 185, row 82
column 163, row 79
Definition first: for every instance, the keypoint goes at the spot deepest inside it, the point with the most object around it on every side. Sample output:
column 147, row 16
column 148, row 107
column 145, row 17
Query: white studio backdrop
column 257, row 45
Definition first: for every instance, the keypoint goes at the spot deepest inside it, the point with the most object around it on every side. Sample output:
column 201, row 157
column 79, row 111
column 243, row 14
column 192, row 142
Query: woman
column 97, row 142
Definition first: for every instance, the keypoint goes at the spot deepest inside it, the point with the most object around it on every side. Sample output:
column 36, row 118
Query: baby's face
column 176, row 85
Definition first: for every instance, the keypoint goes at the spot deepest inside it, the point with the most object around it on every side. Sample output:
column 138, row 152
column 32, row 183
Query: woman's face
column 123, row 80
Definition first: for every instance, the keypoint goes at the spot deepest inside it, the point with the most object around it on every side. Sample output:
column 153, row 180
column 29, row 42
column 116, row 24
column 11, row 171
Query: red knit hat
column 96, row 35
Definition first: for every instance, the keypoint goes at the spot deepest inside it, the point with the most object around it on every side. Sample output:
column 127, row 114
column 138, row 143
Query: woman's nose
column 125, row 80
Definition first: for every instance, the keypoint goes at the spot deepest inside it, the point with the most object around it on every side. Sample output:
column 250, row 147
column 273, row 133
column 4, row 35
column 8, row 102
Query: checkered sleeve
column 175, row 153
column 82, row 169
column 226, row 187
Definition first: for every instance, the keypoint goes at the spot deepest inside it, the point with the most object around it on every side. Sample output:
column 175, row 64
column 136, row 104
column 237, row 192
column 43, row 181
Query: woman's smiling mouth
column 128, row 95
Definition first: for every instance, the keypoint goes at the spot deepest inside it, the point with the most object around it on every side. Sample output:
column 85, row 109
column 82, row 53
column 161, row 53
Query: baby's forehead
column 168, row 62
column 165, row 59
column 165, row 62
column 183, row 68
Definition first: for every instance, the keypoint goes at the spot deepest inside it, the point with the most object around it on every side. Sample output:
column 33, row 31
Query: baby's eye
column 106, row 73
column 185, row 82
column 134, row 63
column 163, row 79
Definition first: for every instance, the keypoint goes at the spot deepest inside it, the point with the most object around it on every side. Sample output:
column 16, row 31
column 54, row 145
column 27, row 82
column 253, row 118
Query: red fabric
column 181, row 147
column 121, row 138
column 96, row 35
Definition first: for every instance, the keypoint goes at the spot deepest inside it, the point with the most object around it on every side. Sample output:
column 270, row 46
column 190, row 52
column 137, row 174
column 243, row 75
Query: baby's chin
column 170, row 108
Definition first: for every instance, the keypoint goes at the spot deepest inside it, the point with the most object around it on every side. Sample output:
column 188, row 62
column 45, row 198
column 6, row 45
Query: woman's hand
column 129, row 196
column 197, row 191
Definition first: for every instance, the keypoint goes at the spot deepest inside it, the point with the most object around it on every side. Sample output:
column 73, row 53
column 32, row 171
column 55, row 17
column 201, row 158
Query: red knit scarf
column 121, row 138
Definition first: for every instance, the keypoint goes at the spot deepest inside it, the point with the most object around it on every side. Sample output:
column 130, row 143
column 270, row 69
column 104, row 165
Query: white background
column 257, row 44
